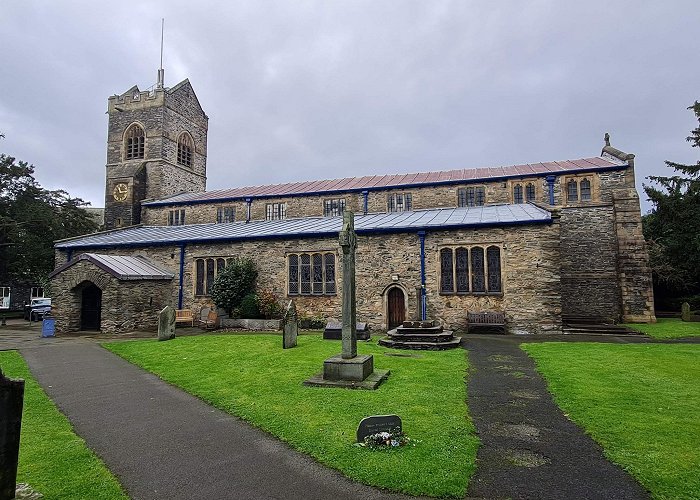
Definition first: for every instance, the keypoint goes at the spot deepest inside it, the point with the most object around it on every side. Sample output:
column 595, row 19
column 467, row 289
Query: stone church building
column 541, row 242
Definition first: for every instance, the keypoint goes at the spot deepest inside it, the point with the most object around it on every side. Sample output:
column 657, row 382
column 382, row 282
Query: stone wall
column 589, row 278
column 530, row 273
column 126, row 305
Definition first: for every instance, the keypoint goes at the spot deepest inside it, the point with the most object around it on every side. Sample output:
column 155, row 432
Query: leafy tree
column 672, row 229
column 31, row 218
column 233, row 283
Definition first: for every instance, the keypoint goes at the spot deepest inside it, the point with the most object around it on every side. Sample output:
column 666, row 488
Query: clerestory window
column 334, row 207
column 471, row 196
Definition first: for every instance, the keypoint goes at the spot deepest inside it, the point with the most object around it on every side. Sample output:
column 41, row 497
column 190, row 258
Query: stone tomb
column 378, row 423
column 333, row 331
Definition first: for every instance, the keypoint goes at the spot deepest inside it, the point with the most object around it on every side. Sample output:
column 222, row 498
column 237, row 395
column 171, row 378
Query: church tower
column 156, row 147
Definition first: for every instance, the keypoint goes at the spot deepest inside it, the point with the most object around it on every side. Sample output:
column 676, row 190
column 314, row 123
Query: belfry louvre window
column 134, row 143
column 311, row 274
column 465, row 270
column 176, row 217
column 185, row 147
column 471, row 196
column 333, row 208
column 275, row 211
column 399, row 202
column 205, row 273
column 225, row 214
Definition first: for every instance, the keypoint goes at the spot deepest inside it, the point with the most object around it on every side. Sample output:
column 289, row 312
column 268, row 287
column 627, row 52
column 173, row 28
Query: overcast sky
column 302, row 90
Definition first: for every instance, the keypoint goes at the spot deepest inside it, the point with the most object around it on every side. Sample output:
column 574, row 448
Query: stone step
column 430, row 330
column 424, row 346
column 420, row 337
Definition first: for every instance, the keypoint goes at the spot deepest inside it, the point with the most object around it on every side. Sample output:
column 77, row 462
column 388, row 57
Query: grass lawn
column 640, row 402
column 667, row 328
column 254, row 378
column 52, row 459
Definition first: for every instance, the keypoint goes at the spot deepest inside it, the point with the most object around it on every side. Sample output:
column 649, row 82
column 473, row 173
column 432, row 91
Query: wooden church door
column 397, row 307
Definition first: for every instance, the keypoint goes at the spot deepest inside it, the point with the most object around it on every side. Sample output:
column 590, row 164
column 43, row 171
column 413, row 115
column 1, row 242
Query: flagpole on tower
column 161, row 71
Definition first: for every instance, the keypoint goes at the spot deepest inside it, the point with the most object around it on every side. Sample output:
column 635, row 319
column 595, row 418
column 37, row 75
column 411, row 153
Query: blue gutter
column 424, row 306
column 382, row 188
column 182, row 272
column 365, row 195
column 388, row 230
column 550, row 183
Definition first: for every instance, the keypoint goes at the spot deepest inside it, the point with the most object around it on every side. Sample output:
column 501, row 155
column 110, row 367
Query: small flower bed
column 392, row 439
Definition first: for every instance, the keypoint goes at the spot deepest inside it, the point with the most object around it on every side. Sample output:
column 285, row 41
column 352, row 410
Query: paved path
column 529, row 448
column 164, row 443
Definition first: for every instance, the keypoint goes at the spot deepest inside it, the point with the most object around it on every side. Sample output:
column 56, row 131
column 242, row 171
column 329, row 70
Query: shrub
column 233, row 283
column 268, row 304
column 249, row 307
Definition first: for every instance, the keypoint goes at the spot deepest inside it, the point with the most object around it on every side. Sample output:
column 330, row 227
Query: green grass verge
column 640, row 402
column 52, row 458
column 667, row 328
column 254, row 378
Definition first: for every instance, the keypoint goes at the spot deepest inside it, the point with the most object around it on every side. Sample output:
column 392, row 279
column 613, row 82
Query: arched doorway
column 396, row 305
column 91, row 310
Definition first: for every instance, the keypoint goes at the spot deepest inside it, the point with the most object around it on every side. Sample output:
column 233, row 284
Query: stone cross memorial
column 166, row 323
column 348, row 369
column 11, row 402
column 291, row 327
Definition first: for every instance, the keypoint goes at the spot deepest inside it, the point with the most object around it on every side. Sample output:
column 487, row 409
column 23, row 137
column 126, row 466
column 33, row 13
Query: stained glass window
column 478, row 282
column 293, row 274
column 210, row 276
column 585, row 190
column 462, row 257
column 446, row 278
column 305, row 274
column 493, row 258
column 317, row 285
column 199, row 272
column 517, row 193
column 330, row 273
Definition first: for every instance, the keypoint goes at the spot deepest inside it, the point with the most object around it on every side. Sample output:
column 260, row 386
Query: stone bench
column 489, row 319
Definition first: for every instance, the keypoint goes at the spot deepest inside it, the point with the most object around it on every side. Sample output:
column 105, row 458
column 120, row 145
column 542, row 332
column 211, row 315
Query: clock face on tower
column 121, row 192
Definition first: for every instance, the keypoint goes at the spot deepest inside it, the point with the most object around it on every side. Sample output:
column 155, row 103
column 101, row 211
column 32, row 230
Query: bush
column 233, row 283
column 317, row 322
column 249, row 307
column 268, row 305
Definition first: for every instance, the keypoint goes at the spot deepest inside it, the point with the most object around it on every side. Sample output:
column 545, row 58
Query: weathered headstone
column 291, row 326
column 11, row 402
column 378, row 423
column 166, row 323
column 685, row 311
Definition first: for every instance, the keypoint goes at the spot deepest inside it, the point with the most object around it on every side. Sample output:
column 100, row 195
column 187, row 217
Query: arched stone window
column 134, row 142
column 493, row 261
column 462, row 270
column 311, row 274
column 446, row 277
column 185, row 150
column 518, row 193
column 572, row 190
column 478, row 281
column 585, row 190
column 470, row 270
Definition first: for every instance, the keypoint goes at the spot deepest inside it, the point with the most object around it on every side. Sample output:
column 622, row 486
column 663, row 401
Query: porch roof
column 121, row 267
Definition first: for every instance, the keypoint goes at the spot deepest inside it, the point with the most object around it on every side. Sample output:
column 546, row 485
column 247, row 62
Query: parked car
column 37, row 309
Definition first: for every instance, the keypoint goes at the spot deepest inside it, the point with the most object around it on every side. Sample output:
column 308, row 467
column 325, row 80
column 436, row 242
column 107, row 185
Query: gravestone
column 291, row 326
column 685, row 311
column 378, row 423
column 11, row 402
column 166, row 323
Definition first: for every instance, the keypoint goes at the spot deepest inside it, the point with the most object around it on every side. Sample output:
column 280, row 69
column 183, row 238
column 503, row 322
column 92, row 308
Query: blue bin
column 48, row 327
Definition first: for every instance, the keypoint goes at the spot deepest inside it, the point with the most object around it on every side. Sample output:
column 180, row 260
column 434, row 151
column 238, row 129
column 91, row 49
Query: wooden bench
column 486, row 320
column 184, row 316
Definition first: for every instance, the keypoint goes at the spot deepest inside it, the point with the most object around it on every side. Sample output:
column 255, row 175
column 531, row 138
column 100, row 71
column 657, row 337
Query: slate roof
column 310, row 227
column 375, row 182
column 121, row 267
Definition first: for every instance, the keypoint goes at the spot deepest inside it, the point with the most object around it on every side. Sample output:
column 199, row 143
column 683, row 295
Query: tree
column 672, row 229
column 233, row 283
column 31, row 218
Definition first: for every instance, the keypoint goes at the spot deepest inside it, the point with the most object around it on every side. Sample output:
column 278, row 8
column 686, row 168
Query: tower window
column 135, row 140
column 185, row 147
